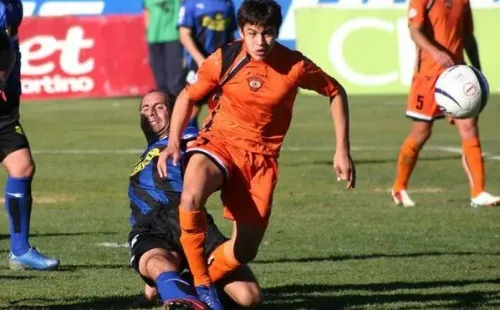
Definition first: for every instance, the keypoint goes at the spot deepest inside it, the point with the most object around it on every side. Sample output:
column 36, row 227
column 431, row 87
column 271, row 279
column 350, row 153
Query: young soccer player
column 237, row 150
column 156, row 252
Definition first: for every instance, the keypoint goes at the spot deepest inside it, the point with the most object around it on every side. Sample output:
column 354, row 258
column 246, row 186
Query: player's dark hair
column 265, row 13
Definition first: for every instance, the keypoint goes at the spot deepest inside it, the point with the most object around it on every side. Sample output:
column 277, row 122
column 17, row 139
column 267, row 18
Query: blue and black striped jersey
column 147, row 189
column 11, row 16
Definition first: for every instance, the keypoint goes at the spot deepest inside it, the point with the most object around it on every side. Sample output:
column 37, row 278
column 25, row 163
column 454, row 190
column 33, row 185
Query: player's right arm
column 417, row 14
column 206, row 81
column 186, row 24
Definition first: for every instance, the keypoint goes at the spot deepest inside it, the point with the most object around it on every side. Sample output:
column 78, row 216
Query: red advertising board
column 74, row 57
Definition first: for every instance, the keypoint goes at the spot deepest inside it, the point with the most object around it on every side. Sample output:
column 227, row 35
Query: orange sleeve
column 313, row 78
column 468, row 23
column 207, row 77
column 417, row 12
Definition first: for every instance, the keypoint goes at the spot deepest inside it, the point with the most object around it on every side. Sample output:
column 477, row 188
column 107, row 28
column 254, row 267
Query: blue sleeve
column 3, row 17
column 186, row 15
column 5, row 41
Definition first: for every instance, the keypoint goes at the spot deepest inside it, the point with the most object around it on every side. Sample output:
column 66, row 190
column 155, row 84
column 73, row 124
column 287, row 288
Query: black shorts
column 161, row 229
column 12, row 137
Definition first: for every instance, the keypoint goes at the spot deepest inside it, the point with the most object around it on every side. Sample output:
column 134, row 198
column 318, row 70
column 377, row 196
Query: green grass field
column 326, row 248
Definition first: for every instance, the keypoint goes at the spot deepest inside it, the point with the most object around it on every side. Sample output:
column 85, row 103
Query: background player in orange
column 237, row 150
column 441, row 30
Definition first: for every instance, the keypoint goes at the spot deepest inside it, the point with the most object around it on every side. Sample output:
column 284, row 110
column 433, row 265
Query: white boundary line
column 444, row 149
column 112, row 245
column 88, row 152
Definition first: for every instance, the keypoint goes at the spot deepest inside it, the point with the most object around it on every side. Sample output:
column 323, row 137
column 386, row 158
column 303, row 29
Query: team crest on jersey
column 448, row 3
column 255, row 83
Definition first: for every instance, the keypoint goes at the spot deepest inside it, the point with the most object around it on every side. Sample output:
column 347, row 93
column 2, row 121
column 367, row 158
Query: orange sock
column 222, row 264
column 407, row 159
column 473, row 162
column 193, row 228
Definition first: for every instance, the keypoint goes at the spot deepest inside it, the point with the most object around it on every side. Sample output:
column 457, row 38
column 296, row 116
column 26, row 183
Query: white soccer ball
column 461, row 91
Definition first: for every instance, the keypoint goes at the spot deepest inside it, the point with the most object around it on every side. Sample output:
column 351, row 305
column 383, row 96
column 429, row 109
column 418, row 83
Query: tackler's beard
column 151, row 133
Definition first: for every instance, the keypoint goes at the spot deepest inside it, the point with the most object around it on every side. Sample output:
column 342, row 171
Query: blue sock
column 171, row 286
column 193, row 123
column 18, row 204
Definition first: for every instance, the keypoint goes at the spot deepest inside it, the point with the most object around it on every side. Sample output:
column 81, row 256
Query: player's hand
column 199, row 62
column 443, row 58
column 172, row 151
column 344, row 168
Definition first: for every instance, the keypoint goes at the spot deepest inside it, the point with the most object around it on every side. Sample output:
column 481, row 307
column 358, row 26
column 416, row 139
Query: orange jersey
column 445, row 23
column 255, row 109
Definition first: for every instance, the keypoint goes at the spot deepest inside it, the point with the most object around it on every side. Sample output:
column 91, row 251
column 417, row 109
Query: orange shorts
column 421, row 104
column 251, row 178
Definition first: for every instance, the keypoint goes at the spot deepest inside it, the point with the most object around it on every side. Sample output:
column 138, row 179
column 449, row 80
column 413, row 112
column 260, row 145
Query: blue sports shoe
column 208, row 295
column 33, row 260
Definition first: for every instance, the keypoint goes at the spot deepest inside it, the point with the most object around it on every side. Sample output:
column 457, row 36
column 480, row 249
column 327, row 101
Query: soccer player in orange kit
column 441, row 30
column 237, row 150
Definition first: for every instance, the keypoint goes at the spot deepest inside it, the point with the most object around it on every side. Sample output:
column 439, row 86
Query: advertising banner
column 287, row 32
column 370, row 51
column 76, row 48
column 69, row 57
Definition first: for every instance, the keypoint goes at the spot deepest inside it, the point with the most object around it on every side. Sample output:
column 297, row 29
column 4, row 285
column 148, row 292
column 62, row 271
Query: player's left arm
column 313, row 78
column 186, row 25
column 207, row 79
column 470, row 43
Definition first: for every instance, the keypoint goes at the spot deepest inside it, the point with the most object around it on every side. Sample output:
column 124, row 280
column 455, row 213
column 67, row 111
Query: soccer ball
column 461, row 91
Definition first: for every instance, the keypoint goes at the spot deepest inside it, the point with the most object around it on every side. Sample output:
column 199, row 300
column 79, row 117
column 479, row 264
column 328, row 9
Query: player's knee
column 191, row 200
column 249, row 297
column 421, row 134
column 19, row 164
column 467, row 128
column 156, row 261
column 23, row 169
column 29, row 169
